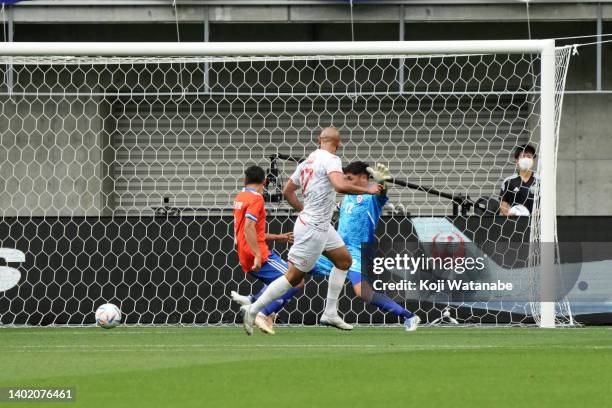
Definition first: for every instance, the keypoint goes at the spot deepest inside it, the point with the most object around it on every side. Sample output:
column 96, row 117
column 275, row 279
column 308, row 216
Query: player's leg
column 279, row 303
column 243, row 300
column 364, row 290
column 274, row 268
column 337, row 253
column 321, row 268
column 303, row 252
column 341, row 259
column 269, row 271
column 276, row 289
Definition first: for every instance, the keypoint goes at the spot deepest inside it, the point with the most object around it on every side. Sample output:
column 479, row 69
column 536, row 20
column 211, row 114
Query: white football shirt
column 312, row 175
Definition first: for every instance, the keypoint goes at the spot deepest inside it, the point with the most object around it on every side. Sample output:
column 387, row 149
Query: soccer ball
column 108, row 316
column 519, row 211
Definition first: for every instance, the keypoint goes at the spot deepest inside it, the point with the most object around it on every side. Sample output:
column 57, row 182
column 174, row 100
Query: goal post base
column 445, row 318
column 547, row 315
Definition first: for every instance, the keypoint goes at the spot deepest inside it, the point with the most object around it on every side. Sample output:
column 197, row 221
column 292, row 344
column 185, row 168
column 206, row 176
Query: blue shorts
column 272, row 269
column 324, row 266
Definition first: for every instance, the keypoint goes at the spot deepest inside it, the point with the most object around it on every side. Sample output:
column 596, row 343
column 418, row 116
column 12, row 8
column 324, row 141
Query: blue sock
column 258, row 294
column 278, row 304
column 388, row 305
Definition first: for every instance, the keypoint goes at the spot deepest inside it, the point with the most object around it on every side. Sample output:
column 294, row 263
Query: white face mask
column 525, row 163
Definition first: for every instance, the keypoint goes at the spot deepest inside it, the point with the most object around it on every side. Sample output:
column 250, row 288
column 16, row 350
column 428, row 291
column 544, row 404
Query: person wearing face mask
column 518, row 191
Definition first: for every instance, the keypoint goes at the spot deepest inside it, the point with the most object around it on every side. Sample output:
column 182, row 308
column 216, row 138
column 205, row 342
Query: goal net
column 118, row 173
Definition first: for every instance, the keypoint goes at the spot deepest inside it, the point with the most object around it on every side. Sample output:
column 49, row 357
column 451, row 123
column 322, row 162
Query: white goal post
column 224, row 49
column 466, row 102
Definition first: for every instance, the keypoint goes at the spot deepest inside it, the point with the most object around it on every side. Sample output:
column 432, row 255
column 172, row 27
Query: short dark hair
column 526, row 148
column 254, row 175
column 357, row 168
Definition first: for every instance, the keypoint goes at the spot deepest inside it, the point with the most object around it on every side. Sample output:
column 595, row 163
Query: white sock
column 334, row 287
column 274, row 290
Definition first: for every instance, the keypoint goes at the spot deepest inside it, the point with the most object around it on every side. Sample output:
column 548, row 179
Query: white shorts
column 309, row 243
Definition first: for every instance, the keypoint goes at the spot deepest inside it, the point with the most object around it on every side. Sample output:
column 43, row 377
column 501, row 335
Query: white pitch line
column 46, row 331
column 416, row 347
column 78, row 332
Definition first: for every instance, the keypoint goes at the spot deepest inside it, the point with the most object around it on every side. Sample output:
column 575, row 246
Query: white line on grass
column 191, row 347
column 46, row 331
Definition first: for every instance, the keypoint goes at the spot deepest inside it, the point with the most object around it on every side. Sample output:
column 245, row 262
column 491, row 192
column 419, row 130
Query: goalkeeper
column 359, row 216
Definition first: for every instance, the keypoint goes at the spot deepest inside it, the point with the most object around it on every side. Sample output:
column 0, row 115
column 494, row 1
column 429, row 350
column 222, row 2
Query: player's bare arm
column 289, row 192
column 284, row 237
column 250, row 234
column 341, row 185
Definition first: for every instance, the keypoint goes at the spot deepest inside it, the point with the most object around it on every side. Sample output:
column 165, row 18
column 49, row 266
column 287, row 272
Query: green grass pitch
column 312, row 366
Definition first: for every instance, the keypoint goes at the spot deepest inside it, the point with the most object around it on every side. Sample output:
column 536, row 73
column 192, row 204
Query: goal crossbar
column 142, row 49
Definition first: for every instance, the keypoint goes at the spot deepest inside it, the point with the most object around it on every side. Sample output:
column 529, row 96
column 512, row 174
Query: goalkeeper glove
column 380, row 173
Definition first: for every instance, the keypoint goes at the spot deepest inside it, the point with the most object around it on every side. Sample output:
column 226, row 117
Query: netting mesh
column 118, row 174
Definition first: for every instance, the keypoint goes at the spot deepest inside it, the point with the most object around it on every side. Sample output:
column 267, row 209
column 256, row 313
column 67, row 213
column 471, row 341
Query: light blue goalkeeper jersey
column 359, row 216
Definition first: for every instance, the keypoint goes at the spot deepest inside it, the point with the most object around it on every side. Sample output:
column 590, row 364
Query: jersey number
column 305, row 177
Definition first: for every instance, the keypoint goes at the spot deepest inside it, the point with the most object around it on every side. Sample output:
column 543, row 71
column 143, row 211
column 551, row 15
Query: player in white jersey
column 318, row 178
